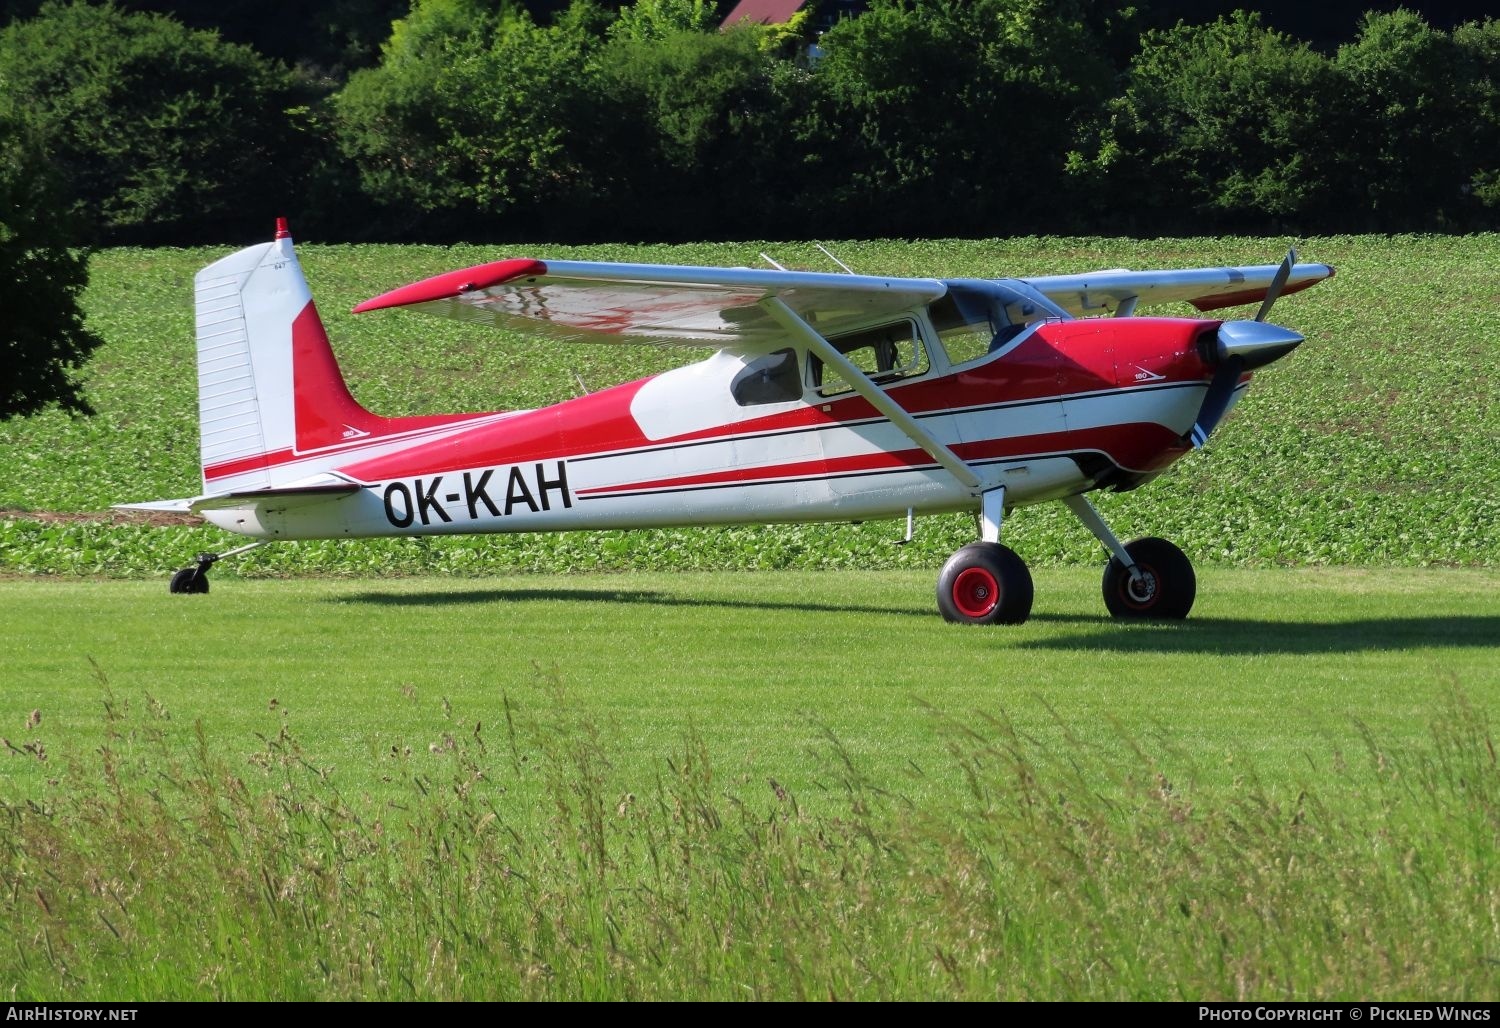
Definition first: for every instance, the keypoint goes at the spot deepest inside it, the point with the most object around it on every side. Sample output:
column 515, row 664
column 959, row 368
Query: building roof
column 767, row 12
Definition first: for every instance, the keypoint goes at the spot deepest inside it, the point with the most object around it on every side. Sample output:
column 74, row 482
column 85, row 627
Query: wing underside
column 590, row 301
column 585, row 301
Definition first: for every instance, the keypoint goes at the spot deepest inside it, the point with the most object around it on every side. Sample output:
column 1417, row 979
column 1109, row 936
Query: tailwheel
column 985, row 584
column 195, row 579
column 1162, row 585
column 190, row 580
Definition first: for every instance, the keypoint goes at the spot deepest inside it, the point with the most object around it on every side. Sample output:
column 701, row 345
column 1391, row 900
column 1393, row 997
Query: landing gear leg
column 986, row 583
column 195, row 578
column 1147, row 578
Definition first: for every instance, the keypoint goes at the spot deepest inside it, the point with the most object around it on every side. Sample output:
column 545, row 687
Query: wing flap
column 663, row 304
column 1207, row 289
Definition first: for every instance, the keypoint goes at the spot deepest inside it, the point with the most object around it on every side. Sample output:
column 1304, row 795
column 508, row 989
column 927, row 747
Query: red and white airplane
column 831, row 397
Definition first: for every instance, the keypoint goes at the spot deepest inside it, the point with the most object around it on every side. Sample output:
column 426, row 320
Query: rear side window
column 887, row 353
column 774, row 378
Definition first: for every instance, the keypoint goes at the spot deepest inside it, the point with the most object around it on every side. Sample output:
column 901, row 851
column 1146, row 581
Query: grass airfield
column 750, row 785
column 754, row 762
column 1271, row 675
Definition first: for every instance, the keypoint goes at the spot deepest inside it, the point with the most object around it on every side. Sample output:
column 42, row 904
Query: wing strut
column 879, row 398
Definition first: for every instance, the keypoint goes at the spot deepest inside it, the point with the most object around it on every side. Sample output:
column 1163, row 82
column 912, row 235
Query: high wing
column 1105, row 292
column 591, row 301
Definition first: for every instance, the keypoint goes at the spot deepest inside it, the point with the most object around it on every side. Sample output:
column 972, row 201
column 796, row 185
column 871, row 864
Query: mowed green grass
column 754, row 785
column 1271, row 675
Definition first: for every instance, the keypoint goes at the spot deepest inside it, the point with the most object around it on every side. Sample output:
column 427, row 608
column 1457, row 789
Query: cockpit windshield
column 976, row 317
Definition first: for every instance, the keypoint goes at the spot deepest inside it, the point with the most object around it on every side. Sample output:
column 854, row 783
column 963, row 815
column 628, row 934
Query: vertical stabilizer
column 270, row 394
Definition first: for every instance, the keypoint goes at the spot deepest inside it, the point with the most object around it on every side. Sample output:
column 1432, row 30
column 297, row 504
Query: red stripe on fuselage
column 1143, row 447
column 598, row 422
column 242, row 465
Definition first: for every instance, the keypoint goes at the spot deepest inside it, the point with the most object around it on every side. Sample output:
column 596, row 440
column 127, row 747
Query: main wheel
column 1165, row 588
column 189, row 580
column 985, row 584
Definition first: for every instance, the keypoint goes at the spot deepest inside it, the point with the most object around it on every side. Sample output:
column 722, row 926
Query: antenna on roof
column 772, row 263
column 835, row 260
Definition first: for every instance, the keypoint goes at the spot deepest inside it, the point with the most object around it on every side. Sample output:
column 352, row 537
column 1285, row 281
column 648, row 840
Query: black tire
column 985, row 584
column 189, row 580
column 1167, row 586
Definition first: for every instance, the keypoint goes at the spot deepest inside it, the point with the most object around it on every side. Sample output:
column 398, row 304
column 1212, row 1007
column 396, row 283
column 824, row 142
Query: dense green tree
column 1417, row 110
column 656, row 19
column 43, row 340
column 160, row 133
column 935, row 116
column 1232, row 125
column 1220, row 125
column 596, row 119
column 323, row 36
column 1324, row 25
column 1478, row 45
column 696, row 141
column 474, row 110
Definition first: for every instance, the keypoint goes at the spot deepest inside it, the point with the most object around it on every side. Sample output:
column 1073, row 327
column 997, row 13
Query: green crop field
column 1364, row 447
column 753, row 762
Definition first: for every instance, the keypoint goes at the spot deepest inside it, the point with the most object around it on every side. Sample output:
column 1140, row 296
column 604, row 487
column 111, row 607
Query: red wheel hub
column 975, row 592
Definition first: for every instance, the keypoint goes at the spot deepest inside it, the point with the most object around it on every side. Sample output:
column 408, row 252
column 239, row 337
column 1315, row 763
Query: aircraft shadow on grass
column 641, row 596
column 1234, row 636
column 1226, row 636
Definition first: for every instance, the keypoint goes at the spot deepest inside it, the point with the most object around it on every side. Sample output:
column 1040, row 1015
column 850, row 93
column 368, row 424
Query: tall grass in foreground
column 519, row 866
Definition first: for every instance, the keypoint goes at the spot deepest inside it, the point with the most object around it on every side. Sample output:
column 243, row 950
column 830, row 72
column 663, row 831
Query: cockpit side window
column 964, row 329
column 886, row 353
column 977, row 317
column 773, row 378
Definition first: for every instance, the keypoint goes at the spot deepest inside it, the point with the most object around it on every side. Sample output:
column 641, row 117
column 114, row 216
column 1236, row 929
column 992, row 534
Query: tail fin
column 271, row 398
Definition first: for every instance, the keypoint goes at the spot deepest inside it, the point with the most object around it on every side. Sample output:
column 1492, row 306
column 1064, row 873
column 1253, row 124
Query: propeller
column 1216, row 400
column 1238, row 347
column 1277, row 284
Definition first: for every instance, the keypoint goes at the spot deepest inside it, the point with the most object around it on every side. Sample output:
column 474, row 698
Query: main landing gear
column 1162, row 584
column 986, row 583
column 195, row 579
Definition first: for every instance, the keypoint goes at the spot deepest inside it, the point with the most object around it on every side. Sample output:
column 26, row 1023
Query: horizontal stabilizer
column 287, row 496
column 182, row 506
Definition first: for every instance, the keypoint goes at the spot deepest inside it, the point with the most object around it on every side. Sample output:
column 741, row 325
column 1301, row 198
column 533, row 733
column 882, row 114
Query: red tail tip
column 282, row 232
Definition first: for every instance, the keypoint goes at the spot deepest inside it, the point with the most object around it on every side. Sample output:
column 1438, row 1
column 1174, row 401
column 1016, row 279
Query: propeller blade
column 1277, row 284
column 1238, row 347
column 1216, row 400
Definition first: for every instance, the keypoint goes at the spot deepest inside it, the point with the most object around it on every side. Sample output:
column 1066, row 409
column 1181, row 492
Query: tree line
column 478, row 119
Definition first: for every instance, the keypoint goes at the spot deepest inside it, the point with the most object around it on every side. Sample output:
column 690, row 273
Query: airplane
column 829, row 397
